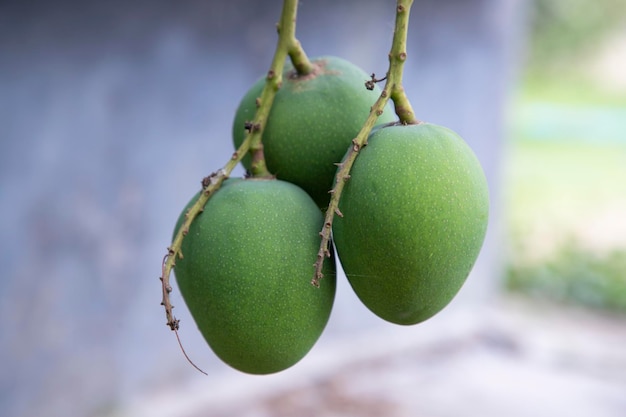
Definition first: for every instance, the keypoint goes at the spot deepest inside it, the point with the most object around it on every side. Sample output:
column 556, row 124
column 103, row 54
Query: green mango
column 415, row 213
column 246, row 274
column 312, row 122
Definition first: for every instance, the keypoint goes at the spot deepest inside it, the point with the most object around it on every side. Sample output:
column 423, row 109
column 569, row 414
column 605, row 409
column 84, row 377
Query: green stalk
column 299, row 59
column 397, row 57
column 252, row 143
column 393, row 90
column 288, row 45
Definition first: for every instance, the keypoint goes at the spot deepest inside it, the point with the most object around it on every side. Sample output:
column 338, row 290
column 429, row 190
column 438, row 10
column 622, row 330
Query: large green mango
column 415, row 213
column 312, row 122
column 246, row 274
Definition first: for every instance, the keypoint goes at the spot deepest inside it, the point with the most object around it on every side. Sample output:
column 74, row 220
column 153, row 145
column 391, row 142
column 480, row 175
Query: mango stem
column 393, row 90
column 252, row 143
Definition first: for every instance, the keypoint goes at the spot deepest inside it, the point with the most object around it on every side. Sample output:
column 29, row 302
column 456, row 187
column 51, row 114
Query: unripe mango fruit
column 415, row 212
column 246, row 274
column 312, row 122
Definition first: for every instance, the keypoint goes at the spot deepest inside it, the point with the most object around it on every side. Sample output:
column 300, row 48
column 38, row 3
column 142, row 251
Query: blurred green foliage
column 566, row 165
column 565, row 199
column 562, row 30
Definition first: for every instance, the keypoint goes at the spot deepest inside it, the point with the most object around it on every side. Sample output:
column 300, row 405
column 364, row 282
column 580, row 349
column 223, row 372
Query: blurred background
column 112, row 112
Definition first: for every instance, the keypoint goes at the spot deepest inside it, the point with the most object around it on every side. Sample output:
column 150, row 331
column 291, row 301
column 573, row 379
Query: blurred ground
column 515, row 358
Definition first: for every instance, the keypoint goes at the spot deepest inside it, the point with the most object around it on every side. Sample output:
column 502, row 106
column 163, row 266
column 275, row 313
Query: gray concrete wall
column 110, row 115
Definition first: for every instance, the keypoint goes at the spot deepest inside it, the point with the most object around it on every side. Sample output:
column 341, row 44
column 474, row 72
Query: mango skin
column 415, row 214
column 246, row 272
column 312, row 122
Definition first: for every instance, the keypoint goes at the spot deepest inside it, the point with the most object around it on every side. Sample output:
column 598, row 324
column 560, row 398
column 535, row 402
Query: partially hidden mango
column 312, row 122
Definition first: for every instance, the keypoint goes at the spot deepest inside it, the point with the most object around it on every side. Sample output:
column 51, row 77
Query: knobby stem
column 393, row 90
column 397, row 57
column 252, row 144
column 287, row 32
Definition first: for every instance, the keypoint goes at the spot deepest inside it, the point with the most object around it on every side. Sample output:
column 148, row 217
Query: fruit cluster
column 413, row 218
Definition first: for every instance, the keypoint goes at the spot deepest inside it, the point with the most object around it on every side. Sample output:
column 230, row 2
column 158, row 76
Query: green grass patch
column 574, row 275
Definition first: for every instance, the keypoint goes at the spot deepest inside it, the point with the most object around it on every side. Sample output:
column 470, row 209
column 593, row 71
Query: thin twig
column 185, row 353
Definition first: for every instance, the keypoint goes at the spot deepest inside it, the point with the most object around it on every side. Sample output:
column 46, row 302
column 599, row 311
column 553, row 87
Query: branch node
column 252, row 127
column 372, row 81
